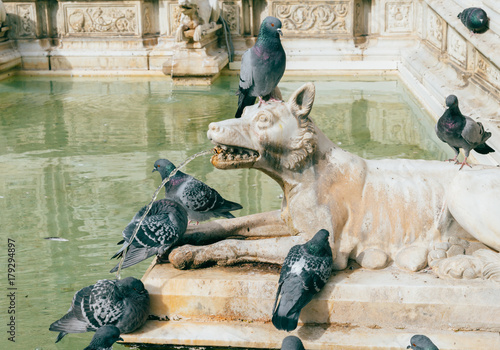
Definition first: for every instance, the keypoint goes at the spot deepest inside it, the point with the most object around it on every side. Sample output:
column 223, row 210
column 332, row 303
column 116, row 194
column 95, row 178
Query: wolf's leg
column 268, row 224
column 232, row 251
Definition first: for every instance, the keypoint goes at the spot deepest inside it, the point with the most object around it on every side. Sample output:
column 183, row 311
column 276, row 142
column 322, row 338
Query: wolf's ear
column 302, row 100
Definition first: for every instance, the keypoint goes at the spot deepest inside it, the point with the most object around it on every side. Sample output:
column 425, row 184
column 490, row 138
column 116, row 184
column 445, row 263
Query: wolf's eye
column 263, row 120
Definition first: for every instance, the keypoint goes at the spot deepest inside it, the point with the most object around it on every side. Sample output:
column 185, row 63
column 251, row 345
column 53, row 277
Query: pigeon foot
column 261, row 101
column 464, row 163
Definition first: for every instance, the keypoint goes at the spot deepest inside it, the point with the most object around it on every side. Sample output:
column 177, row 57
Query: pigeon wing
column 104, row 306
column 246, row 71
column 472, row 132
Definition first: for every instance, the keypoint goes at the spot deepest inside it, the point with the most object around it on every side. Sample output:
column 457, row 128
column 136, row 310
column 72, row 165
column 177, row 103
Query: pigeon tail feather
column 134, row 256
column 244, row 100
column 484, row 149
column 285, row 323
column 60, row 336
column 68, row 324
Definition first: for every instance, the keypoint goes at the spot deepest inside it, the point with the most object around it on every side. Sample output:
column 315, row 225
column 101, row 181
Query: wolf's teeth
column 245, row 156
column 230, row 156
column 224, row 147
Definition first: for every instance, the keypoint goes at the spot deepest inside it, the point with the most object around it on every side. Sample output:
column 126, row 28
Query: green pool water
column 76, row 156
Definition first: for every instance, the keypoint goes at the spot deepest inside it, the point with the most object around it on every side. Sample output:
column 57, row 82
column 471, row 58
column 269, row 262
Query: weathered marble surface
column 364, row 309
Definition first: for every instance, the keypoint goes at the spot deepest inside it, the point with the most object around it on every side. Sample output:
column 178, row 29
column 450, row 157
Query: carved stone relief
column 330, row 17
column 398, row 17
column 22, row 18
column 231, row 13
column 91, row 19
column 435, row 26
column 174, row 15
column 148, row 19
column 488, row 70
column 457, row 47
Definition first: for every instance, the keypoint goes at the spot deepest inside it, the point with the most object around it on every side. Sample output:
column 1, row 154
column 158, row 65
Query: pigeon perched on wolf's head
column 460, row 131
column 163, row 226
column 104, row 338
column 305, row 271
column 421, row 342
column 475, row 19
column 292, row 343
column 122, row 303
column 200, row 200
column 262, row 66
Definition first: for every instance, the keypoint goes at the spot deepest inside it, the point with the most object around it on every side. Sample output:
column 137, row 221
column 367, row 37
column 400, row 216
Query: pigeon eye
column 272, row 24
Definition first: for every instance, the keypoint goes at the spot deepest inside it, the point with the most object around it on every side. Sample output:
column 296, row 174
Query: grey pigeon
column 201, row 201
column 460, row 131
column 305, row 271
column 421, row 342
column 475, row 19
column 262, row 66
column 292, row 343
column 104, row 338
column 122, row 303
column 163, row 226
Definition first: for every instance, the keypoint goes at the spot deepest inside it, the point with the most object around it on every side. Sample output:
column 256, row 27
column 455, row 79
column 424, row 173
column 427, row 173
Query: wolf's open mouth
column 233, row 157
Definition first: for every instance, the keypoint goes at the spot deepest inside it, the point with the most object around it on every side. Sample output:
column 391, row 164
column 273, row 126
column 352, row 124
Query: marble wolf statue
column 411, row 212
column 199, row 15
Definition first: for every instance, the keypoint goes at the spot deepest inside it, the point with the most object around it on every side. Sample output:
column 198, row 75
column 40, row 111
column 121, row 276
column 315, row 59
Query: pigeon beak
column 279, row 31
column 154, row 169
column 120, row 339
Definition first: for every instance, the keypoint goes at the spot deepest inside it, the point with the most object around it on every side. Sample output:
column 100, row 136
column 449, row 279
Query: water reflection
column 76, row 158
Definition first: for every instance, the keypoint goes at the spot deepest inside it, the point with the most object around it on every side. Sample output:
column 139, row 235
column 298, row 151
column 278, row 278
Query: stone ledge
column 333, row 337
column 382, row 299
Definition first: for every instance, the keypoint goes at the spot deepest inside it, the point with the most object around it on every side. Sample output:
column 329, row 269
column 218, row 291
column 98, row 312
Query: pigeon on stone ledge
column 475, row 19
column 262, row 66
column 122, row 303
column 421, row 342
column 163, row 226
column 460, row 131
column 104, row 338
column 292, row 343
column 305, row 271
column 201, row 201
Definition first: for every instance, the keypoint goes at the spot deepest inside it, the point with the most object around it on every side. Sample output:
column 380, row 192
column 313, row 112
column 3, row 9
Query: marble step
column 357, row 309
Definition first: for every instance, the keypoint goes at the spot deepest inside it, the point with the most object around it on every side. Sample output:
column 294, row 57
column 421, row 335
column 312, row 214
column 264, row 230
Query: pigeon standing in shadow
column 292, row 343
column 305, row 271
column 460, row 131
column 163, row 226
column 200, row 200
column 475, row 19
column 122, row 303
column 421, row 342
column 104, row 338
column 262, row 66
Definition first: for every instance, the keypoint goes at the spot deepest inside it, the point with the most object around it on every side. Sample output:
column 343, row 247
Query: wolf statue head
column 271, row 136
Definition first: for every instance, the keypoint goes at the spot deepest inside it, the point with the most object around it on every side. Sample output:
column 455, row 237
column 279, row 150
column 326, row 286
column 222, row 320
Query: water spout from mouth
column 155, row 194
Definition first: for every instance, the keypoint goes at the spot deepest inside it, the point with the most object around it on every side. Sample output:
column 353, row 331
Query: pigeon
column 262, row 66
column 201, row 201
column 104, row 338
column 292, row 343
column 460, row 131
column 305, row 271
column 475, row 19
column 421, row 342
column 163, row 226
column 122, row 303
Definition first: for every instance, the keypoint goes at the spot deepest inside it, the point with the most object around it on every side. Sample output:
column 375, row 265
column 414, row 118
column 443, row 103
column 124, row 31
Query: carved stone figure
column 197, row 15
column 412, row 212
column 3, row 15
